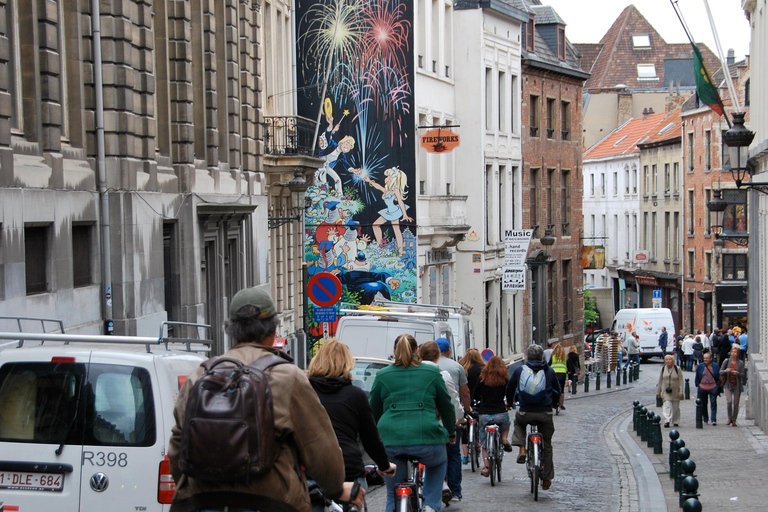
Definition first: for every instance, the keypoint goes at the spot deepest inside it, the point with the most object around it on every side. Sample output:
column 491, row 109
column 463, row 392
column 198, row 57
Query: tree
column 590, row 309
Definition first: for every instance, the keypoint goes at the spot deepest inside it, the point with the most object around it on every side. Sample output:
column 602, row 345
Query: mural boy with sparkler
column 335, row 154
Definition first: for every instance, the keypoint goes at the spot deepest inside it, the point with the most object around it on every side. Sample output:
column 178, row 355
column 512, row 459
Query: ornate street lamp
column 738, row 139
column 297, row 186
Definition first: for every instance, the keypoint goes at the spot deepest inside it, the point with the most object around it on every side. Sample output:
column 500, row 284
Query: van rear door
column 41, row 413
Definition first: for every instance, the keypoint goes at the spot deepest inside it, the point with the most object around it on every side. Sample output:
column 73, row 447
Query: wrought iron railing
column 288, row 135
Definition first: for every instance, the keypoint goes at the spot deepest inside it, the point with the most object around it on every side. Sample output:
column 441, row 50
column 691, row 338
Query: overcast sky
column 588, row 20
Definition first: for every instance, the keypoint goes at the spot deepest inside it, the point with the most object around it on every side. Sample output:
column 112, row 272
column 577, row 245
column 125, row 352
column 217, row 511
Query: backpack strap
column 266, row 361
column 209, row 364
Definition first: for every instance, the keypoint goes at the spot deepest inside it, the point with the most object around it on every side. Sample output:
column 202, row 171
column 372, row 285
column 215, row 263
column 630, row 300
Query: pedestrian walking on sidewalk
column 708, row 383
column 733, row 371
column 670, row 389
column 698, row 349
column 632, row 347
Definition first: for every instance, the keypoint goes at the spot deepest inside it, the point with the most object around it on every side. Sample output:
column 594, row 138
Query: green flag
column 704, row 87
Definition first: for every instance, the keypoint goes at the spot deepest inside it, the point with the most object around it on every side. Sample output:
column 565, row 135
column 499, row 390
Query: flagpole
column 704, row 67
column 723, row 61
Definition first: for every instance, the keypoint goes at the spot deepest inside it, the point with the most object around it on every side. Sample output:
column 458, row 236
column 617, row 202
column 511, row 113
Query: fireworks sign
column 441, row 140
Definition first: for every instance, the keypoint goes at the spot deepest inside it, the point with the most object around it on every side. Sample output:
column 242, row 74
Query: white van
column 373, row 333
column 647, row 323
column 85, row 426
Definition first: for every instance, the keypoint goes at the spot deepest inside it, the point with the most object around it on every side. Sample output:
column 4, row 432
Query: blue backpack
column 533, row 386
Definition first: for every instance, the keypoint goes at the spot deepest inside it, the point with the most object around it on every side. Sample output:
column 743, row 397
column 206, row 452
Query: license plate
column 22, row 481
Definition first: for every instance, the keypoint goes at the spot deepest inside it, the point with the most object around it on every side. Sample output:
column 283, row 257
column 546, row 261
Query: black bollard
column 608, row 380
column 674, row 435
column 649, row 426
column 574, row 384
column 631, row 372
column 624, row 372
column 643, row 420
column 657, row 439
column 673, row 470
column 688, row 467
column 682, row 456
column 597, row 382
column 699, row 412
column 637, row 371
column 687, row 389
column 635, row 411
column 692, row 505
column 586, row 382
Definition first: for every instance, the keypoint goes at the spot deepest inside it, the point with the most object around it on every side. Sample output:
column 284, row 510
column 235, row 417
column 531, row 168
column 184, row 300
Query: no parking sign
column 487, row 354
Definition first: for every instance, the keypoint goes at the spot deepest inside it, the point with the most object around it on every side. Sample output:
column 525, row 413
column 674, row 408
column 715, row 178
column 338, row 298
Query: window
column 533, row 199
column 690, row 152
column 36, row 259
column 502, row 102
column 565, row 120
column 735, row 215
column 645, row 231
column 561, row 43
column 641, row 41
column 491, row 212
column 81, row 256
column 616, row 183
column 676, row 243
column 691, row 211
column 119, row 409
column 567, row 298
column 634, row 179
column 707, row 150
column 626, row 180
column 708, row 266
column 432, row 283
column 551, row 118
column 592, row 184
column 666, row 179
column 691, row 264
column 626, row 230
column 646, row 71
column 550, row 196
column 655, row 179
column 446, row 284
column 646, row 181
column 594, row 225
column 513, row 97
column 602, row 183
column 667, row 237
column 747, row 92
column 708, row 217
column 565, row 201
column 62, row 50
column 14, row 68
column 653, row 236
column 489, row 99
column 534, row 115
column 676, row 177
column 725, row 154
column 734, row 267
column 527, row 33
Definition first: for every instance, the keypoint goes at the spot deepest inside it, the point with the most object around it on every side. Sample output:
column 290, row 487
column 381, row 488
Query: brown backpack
column 228, row 432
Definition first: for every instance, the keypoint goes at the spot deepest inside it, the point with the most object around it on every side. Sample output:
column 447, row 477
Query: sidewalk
column 730, row 461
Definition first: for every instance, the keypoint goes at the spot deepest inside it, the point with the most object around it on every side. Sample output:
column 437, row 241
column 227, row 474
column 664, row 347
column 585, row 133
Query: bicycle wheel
column 478, row 451
column 491, row 450
column 536, row 472
column 499, row 457
column 472, row 449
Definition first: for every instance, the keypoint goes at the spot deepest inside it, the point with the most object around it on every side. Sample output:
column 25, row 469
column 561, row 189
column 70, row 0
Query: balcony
column 288, row 135
column 445, row 221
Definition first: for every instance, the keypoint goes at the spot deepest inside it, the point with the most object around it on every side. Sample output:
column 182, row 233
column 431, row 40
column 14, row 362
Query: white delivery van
column 85, row 425
column 373, row 333
column 647, row 323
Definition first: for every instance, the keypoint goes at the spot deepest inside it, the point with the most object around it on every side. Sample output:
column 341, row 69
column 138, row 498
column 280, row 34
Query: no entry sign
column 324, row 289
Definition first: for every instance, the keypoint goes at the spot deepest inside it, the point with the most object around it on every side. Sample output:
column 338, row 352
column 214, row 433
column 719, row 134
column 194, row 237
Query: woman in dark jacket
column 489, row 393
column 573, row 363
column 348, row 408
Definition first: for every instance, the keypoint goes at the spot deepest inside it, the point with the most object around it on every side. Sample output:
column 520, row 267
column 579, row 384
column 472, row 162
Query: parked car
column 364, row 372
column 85, row 426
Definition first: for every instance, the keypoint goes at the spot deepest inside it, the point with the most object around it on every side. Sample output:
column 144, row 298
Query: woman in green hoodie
column 407, row 399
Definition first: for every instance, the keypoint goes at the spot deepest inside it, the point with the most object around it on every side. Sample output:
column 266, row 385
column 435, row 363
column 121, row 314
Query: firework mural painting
column 355, row 77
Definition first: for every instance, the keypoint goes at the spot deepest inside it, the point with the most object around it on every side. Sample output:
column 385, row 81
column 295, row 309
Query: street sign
column 324, row 314
column 324, row 289
column 657, row 302
column 516, row 243
column 487, row 354
column 513, row 278
column 657, row 294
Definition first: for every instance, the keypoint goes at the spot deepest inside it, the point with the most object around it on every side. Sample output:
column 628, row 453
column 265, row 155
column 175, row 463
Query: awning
column 735, row 308
column 704, row 294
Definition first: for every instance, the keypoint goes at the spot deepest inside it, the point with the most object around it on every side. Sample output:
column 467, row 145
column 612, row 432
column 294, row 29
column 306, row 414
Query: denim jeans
column 632, row 357
column 712, row 394
column 453, row 471
column 434, row 457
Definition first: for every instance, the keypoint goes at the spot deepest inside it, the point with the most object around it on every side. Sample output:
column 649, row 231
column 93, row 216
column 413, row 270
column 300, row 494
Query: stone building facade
column 168, row 218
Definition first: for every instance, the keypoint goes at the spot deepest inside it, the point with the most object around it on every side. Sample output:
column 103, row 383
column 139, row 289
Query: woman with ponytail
column 415, row 417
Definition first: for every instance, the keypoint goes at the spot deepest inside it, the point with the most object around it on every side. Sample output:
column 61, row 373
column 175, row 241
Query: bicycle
column 473, row 442
column 533, row 456
column 409, row 495
column 495, row 452
column 320, row 503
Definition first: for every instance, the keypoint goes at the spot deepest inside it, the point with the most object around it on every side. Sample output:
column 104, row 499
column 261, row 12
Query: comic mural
column 355, row 80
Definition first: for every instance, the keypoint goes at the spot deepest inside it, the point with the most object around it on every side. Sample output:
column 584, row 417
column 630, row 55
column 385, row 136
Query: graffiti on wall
column 355, row 81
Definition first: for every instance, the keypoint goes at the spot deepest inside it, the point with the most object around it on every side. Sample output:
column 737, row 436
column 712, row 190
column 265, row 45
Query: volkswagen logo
column 99, row 482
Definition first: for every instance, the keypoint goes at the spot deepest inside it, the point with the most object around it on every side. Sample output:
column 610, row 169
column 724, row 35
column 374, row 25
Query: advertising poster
column 355, row 83
column 592, row 257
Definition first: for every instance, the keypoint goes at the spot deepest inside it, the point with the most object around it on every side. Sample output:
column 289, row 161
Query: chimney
column 624, row 110
column 731, row 58
column 647, row 112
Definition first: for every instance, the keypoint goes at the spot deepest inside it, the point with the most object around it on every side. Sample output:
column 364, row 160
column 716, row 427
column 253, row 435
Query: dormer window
column 641, row 41
column 561, row 43
column 646, row 71
column 527, row 33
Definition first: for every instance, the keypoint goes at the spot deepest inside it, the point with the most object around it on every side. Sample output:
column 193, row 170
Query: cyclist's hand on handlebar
column 356, row 500
column 390, row 470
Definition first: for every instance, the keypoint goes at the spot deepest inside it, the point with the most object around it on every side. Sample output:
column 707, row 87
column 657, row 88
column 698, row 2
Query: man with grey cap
column 303, row 430
column 536, row 413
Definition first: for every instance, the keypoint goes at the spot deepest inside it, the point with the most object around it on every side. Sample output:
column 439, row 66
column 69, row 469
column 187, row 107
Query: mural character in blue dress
column 393, row 193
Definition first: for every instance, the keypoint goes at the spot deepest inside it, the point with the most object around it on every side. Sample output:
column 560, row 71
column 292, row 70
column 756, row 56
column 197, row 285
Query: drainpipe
column 101, row 172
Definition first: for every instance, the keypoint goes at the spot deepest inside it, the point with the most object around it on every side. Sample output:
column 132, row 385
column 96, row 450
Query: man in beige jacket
column 302, row 428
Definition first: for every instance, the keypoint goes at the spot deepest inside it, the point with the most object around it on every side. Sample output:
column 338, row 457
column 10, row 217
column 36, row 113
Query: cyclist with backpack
column 219, row 465
column 535, row 386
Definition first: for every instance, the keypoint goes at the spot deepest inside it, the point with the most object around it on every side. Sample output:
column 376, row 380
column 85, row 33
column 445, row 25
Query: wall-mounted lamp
column 298, row 186
column 717, row 205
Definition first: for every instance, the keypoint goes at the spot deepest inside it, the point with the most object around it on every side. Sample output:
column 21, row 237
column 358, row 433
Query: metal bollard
column 574, row 384
column 649, row 429
column 699, row 412
column 586, row 382
column 637, row 371
column 688, row 468
column 643, row 420
column 608, row 380
column 687, row 389
column 682, row 456
column 674, row 436
column 624, row 371
column 631, row 372
column 635, row 411
column 692, row 505
column 597, row 382
column 657, row 439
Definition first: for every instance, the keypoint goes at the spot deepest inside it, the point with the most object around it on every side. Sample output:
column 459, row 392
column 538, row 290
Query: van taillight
column 62, row 359
column 165, row 484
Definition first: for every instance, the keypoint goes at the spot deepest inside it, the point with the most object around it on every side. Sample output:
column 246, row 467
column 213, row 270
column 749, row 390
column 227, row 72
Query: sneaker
column 546, row 484
column 521, row 456
column 666, row 425
column 714, row 423
column 456, row 497
column 562, row 407
column 465, row 460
